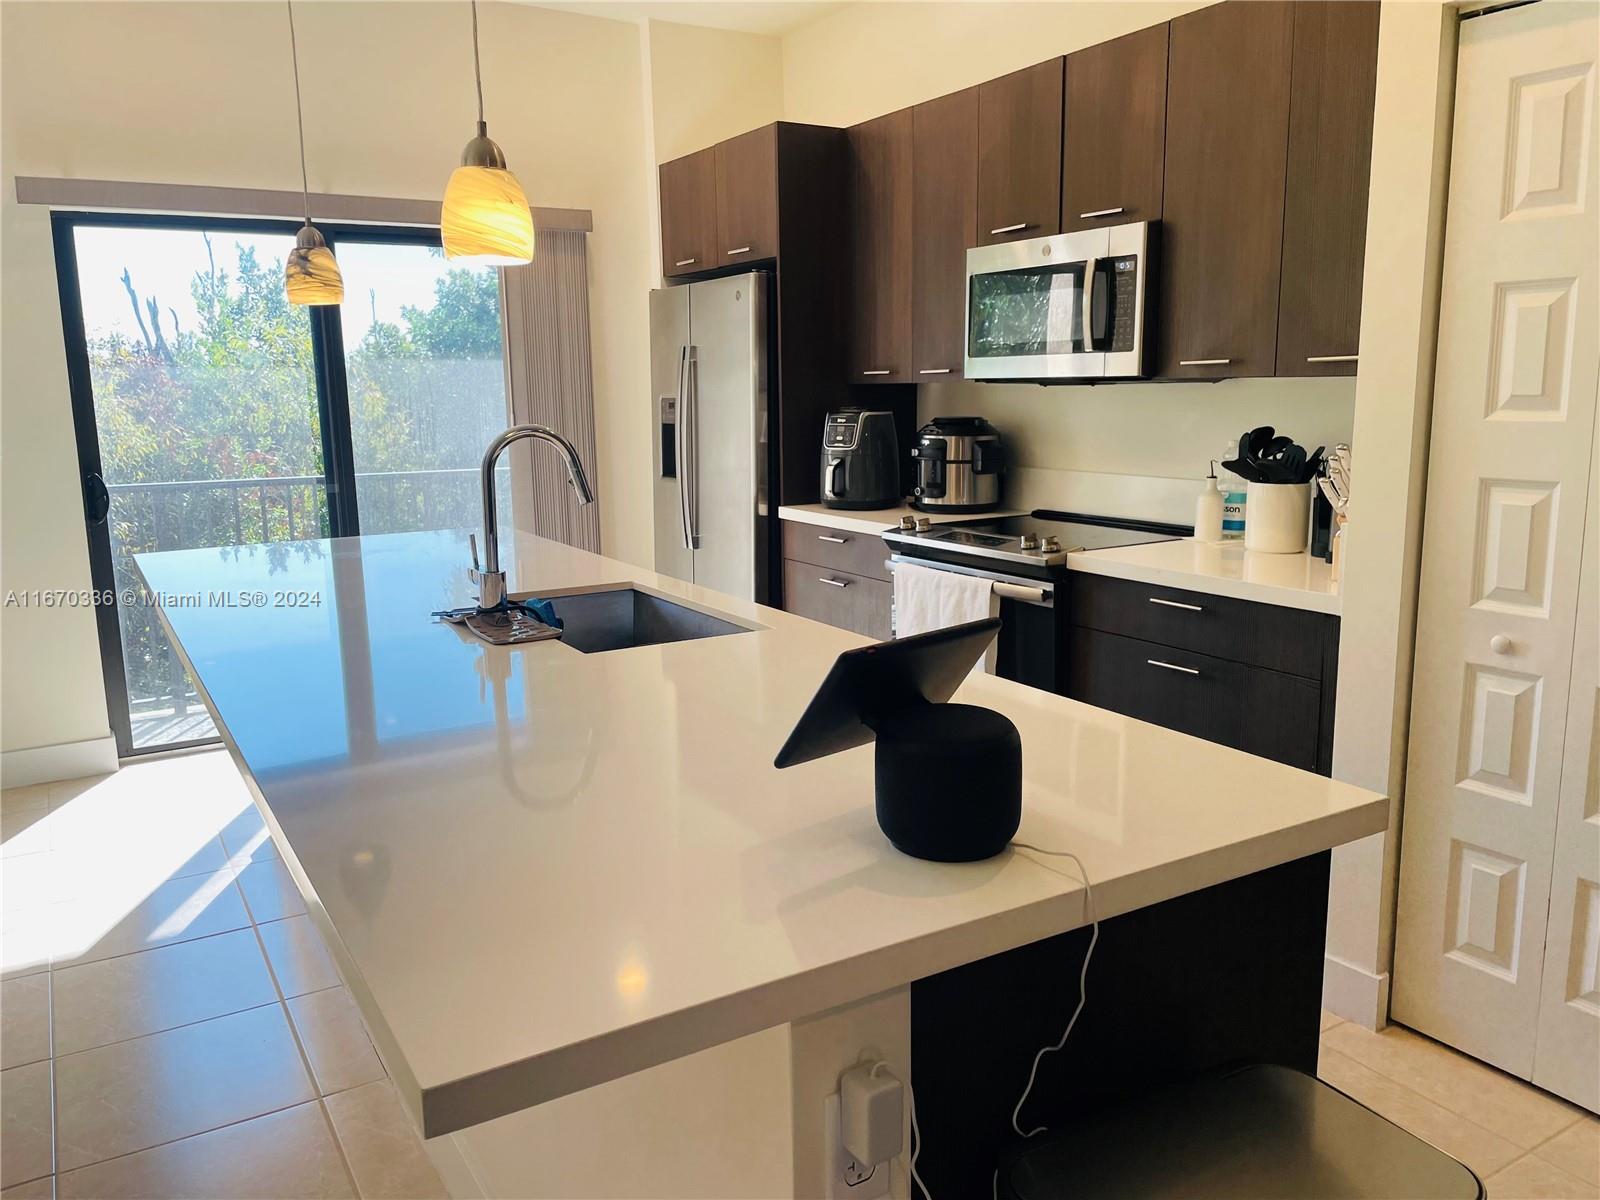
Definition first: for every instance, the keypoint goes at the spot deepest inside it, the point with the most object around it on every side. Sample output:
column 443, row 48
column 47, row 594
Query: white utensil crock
column 1277, row 517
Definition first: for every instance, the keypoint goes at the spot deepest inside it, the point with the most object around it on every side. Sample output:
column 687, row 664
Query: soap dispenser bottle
column 1208, row 509
column 1233, row 498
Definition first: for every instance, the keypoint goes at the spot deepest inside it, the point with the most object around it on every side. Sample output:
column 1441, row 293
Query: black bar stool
column 1253, row 1133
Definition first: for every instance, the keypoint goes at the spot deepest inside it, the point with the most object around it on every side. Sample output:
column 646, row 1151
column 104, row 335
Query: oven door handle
column 1042, row 595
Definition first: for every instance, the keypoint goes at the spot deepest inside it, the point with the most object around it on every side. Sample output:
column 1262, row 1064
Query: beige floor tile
column 128, row 916
column 1515, row 1110
column 137, row 994
column 1329, row 1020
column 20, row 798
column 247, row 839
column 270, row 892
column 24, row 1020
column 133, row 1095
column 29, row 882
column 382, row 1145
column 336, row 1042
column 34, row 1189
column 1483, row 1151
column 64, row 791
column 1576, row 1150
column 284, row 1155
column 1531, row 1178
column 24, row 829
column 25, row 1123
column 299, row 958
column 25, row 945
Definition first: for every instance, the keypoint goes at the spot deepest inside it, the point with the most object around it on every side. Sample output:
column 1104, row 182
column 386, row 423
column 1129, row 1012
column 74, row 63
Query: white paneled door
column 1511, row 469
column 1566, row 1057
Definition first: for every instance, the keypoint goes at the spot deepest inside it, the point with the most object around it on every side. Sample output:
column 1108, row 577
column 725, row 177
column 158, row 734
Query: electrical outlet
column 842, row 1175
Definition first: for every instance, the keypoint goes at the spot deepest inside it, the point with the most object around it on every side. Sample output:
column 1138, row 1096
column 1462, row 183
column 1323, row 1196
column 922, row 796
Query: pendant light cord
column 477, row 66
column 299, row 116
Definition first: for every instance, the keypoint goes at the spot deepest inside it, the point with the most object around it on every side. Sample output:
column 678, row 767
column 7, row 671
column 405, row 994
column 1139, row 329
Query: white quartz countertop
column 1221, row 569
column 542, row 869
column 876, row 520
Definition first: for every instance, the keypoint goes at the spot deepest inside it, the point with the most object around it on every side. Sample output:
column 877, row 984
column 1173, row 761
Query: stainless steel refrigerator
column 709, row 397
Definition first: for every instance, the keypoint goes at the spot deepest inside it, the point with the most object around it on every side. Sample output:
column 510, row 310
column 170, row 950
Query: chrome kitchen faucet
column 491, row 580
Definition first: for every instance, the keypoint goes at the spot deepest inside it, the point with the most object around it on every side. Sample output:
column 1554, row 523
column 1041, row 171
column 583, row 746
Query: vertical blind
column 545, row 320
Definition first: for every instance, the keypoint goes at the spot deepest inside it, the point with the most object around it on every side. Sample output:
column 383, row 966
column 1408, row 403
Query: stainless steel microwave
column 1066, row 307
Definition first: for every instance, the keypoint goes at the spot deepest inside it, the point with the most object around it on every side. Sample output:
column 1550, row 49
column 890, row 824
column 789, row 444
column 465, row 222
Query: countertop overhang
column 541, row 869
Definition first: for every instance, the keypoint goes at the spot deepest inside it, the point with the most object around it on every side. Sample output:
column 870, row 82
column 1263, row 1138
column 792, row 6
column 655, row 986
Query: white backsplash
column 1136, row 449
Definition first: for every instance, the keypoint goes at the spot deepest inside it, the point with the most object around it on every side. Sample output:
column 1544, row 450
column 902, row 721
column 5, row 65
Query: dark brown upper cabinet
column 747, row 197
column 1115, row 131
column 689, row 213
column 881, row 221
column 1019, row 154
column 944, row 222
column 1222, row 213
column 1325, row 204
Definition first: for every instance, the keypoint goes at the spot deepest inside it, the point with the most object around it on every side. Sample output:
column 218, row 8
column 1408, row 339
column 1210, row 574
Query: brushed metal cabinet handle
column 834, row 582
column 1176, row 604
column 837, row 541
column 882, row 371
column 1330, row 358
column 1017, row 228
column 685, row 262
column 934, row 371
column 1204, row 362
column 740, row 250
column 1166, row 666
column 1101, row 212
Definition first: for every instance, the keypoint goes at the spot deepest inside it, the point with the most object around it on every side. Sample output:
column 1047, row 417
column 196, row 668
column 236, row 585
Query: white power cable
column 1083, row 989
column 916, row 1134
column 1083, row 998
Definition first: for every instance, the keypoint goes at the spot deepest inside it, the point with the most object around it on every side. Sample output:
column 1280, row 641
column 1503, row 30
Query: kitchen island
column 604, row 948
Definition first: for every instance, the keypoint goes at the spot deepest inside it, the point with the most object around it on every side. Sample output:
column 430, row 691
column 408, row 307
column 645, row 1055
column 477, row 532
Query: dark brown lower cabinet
column 838, row 577
column 1161, row 678
column 838, row 598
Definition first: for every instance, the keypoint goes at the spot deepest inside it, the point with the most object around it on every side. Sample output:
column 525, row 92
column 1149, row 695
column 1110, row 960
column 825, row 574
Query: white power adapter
column 871, row 1113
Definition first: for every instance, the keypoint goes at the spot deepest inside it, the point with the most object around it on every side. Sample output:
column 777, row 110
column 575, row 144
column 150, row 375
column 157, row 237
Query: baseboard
column 69, row 760
column 1354, row 993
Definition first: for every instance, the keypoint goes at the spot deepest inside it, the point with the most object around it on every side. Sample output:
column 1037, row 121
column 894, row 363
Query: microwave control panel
column 1124, row 285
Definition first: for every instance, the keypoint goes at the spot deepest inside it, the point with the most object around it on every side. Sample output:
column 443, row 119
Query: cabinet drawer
column 1262, row 712
column 1262, row 635
column 838, row 598
column 836, row 549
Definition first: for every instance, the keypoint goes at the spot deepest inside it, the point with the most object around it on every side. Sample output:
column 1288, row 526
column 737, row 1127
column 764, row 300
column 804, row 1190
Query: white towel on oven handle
column 926, row 598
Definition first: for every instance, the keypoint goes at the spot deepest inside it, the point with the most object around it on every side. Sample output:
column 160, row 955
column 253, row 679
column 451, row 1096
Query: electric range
column 1025, row 557
column 1037, row 539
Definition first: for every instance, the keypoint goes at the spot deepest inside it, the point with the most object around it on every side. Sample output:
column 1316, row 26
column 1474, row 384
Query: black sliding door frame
column 333, row 412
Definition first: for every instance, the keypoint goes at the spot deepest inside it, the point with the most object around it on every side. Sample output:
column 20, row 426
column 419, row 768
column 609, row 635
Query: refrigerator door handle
column 690, row 470
column 680, row 444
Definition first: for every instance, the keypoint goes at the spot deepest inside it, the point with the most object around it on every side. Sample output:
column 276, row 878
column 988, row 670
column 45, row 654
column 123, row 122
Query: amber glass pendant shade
column 485, row 217
column 311, row 276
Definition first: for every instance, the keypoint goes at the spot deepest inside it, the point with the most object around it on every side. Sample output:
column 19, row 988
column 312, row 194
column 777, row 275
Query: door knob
column 1500, row 644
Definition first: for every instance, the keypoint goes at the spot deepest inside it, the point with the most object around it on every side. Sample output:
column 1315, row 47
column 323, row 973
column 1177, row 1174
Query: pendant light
column 485, row 216
column 310, row 276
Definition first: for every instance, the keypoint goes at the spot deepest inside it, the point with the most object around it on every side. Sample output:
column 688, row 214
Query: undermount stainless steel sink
column 616, row 618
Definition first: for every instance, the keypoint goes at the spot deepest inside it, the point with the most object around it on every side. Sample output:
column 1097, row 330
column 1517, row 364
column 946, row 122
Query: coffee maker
column 860, row 460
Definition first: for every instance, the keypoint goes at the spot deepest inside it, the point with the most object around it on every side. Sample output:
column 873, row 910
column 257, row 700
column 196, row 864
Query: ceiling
column 771, row 17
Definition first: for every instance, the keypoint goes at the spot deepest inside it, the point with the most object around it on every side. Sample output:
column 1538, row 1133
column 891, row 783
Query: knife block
column 949, row 781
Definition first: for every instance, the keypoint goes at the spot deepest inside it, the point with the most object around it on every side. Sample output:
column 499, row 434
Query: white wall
column 200, row 93
column 868, row 59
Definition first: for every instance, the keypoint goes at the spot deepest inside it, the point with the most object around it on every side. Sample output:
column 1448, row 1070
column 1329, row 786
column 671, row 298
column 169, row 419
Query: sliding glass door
column 211, row 412
column 426, row 382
